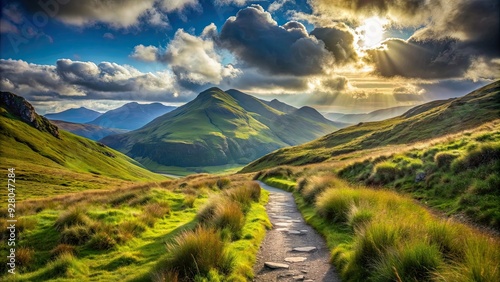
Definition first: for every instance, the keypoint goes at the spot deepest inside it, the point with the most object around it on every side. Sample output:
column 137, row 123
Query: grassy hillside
column 47, row 165
column 218, row 128
column 423, row 122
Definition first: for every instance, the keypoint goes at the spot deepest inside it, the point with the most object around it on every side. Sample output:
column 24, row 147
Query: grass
column 120, row 234
column 457, row 175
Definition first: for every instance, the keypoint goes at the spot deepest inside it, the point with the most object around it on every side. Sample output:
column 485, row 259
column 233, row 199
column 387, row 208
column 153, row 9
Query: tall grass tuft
column 334, row 204
column 196, row 253
column 74, row 216
column 228, row 215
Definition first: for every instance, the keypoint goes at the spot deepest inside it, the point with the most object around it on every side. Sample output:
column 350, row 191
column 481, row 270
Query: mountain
column 131, row 116
column 427, row 121
column 77, row 115
column 90, row 131
column 218, row 128
column 48, row 159
column 377, row 115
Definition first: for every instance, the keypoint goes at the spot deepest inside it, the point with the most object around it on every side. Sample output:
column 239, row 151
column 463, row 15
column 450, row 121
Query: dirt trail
column 278, row 258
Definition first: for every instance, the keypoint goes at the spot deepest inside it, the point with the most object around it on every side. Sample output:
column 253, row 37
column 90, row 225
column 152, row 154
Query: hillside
column 219, row 128
column 52, row 161
column 423, row 122
column 377, row 115
column 131, row 116
column 77, row 115
column 89, row 131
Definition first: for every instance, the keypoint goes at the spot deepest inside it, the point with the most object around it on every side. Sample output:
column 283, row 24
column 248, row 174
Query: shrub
column 479, row 156
column 358, row 217
column 131, row 228
column 102, row 241
column 157, row 210
column 76, row 234
column 334, row 204
column 72, row 217
column 228, row 215
column 444, row 159
column 223, row 182
column 316, row 185
column 279, row 172
column 62, row 249
column 207, row 212
column 385, row 172
column 24, row 256
column 123, row 198
column 188, row 201
column 415, row 262
column 244, row 195
column 196, row 253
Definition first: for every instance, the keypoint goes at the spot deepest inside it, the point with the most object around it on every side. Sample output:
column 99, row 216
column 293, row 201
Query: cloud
column 408, row 93
column 145, row 53
column 179, row 5
column 257, row 40
column 115, row 13
column 108, row 35
column 86, row 80
column 430, row 59
column 277, row 5
column 253, row 80
column 400, row 12
column 339, row 40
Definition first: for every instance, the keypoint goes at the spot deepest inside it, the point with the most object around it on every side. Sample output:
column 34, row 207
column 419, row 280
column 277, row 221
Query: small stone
column 298, row 277
column 295, row 259
column 282, row 224
column 304, row 271
column 281, row 217
column 282, row 229
column 294, row 232
column 304, row 249
column 308, row 280
column 276, row 265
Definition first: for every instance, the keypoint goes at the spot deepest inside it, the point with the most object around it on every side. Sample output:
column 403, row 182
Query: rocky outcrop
column 19, row 107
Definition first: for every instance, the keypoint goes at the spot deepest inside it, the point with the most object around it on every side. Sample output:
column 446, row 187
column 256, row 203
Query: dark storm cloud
column 256, row 39
column 475, row 23
column 420, row 59
column 339, row 41
column 253, row 79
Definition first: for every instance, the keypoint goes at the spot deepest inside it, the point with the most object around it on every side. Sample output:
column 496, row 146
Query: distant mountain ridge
column 77, row 115
column 218, row 128
column 427, row 121
column 377, row 115
column 131, row 115
column 93, row 132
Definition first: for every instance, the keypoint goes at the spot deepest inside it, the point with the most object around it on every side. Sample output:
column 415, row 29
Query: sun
column 371, row 33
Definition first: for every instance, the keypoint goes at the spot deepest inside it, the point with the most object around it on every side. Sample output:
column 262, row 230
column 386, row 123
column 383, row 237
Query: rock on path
column 293, row 243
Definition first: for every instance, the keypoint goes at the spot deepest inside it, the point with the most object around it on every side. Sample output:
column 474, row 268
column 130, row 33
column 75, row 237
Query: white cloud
column 70, row 79
column 145, row 53
column 195, row 60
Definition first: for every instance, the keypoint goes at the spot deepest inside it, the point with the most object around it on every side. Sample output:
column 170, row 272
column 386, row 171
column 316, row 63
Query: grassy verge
column 457, row 175
column 378, row 235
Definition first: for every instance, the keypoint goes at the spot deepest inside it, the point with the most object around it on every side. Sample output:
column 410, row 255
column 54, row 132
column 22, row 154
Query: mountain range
column 220, row 127
column 377, row 115
column 90, row 131
column 76, row 115
column 427, row 121
column 131, row 115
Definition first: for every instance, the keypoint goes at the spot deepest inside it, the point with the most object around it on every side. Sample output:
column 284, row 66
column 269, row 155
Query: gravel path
column 292, row 250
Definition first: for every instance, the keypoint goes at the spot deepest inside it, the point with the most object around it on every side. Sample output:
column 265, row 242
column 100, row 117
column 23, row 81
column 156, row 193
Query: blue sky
column 335, row 55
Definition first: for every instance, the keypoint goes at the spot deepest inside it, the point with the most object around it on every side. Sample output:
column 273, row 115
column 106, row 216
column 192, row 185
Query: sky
column 347, row 56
